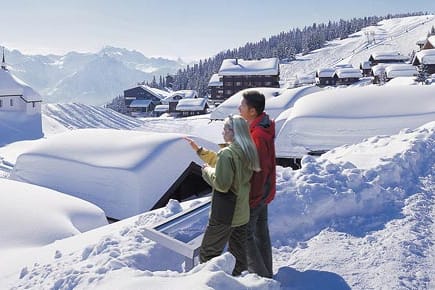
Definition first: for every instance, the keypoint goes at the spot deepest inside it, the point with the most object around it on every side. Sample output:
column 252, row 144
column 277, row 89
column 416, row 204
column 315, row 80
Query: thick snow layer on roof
column 11, row 85
column 401, row 81
column 431, row 40
column 325, row 72
column 264, row 66
column 140, row 103
column 197, row 104
column 378, row 69
column 388, row 55
column 400, row 70
column 41, row 216
column 348, row 73
column 215, row 81
column 277, row 101
column 331, row 118
column 426, row 56
column 161, row 108
column 120, row 171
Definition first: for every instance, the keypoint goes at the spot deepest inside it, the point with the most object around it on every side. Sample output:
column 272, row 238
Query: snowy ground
column 359, row 217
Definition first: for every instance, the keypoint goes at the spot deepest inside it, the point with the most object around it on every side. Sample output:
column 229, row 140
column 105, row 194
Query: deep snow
column 361, row 216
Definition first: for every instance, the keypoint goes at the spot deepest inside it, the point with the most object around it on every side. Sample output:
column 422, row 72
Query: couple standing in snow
column 242, row 176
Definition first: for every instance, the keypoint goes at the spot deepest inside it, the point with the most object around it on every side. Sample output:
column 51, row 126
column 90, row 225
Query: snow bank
column 41, row 216
column 277, row 101
column 324, row 120
column 123, row 172
column 15, row 126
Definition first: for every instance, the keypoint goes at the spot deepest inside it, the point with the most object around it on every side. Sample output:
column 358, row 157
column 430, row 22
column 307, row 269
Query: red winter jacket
column 263, row 183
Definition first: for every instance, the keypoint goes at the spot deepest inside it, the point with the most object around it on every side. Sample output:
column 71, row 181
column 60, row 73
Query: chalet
column 400, row 70
column 191, row 107
column 174, row 97
column 366, row 68
column 387, row 57
column 215, row 86
column 325, row 76
column 426, row 58
column 346, row 76
column 239, row 74
column 141, row 100
column 430, row 43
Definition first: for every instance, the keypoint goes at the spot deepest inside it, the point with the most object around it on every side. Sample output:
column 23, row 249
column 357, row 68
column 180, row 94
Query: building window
column 1, row 103
column 228, row 92
column 11, row 102
column 238, row 84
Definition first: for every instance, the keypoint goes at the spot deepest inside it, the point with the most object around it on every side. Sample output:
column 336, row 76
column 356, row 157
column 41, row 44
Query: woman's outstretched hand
column 192, row 144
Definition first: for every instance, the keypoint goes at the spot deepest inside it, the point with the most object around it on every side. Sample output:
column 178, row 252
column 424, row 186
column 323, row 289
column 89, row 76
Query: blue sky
column 190, row 29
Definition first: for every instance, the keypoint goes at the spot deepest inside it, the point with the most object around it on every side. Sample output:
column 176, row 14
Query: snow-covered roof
column 41, row 216
column 197, row 104
column 161, row 108
column 330, row 118
column 421, row 41
column 348, row 73
column 430, row 42
column 160, row 94
column 263, row 66
column 181, row 94
column 215, row 81
column 400, row 70
column 327, row 72
column 365, row 65
column 123, row 172
column 378, row 69
column 387, row 55
column 11, row 85
column 140, row 103
column 277, row 101
column 426, row 56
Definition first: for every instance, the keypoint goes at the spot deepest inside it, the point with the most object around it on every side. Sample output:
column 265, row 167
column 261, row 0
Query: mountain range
column 89, row 78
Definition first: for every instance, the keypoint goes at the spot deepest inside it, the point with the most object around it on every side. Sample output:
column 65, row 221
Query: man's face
column 245, row 111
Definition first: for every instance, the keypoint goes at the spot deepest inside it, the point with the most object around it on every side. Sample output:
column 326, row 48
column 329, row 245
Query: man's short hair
column 255, row 99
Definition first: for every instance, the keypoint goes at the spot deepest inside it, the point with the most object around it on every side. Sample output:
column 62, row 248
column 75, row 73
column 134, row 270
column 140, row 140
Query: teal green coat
column 228, row 171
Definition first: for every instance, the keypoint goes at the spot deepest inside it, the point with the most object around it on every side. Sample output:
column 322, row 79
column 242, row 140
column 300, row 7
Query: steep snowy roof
column 430, row 42
column 330, row 118
column 263, row 66
column 426, row 56
column 197, row 104
column 11, row 85
column 118, row 170
column 378, row 69
column 215, row 81
column 348, row 73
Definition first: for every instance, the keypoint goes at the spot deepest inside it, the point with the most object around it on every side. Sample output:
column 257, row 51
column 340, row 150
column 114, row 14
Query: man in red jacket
column 263, row 183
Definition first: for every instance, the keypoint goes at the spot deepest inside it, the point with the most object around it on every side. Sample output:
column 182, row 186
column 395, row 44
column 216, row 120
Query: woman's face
column 228, row 134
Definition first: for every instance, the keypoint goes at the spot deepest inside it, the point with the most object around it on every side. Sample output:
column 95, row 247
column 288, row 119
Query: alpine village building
column 237, row 74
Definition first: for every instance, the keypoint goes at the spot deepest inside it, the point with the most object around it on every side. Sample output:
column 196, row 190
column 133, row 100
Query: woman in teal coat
column 229, row 172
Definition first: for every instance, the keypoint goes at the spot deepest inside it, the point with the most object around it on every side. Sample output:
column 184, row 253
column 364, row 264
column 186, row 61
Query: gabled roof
column 426, row 56
column 161, row 108
column 342, row 73
column 365, row 65
column 327, row 72
column 378, row 69
column 391, row 55
column 215, row 81
column 197, row 104
column 140, row 104
column 263, row 66
column 11, row 85
column 160, row 94
column 430, row 42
